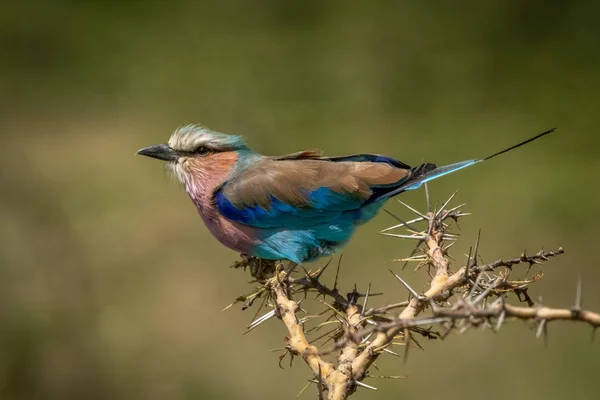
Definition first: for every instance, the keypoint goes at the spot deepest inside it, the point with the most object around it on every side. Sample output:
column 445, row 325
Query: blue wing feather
column 435, row 173
column 325, row 206
column 305, row 232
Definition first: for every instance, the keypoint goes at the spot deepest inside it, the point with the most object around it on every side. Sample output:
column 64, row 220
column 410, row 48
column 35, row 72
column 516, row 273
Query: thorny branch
column 475, row 294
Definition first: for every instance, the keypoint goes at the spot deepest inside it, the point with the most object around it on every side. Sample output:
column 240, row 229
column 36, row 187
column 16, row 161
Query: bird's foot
column 260, row 269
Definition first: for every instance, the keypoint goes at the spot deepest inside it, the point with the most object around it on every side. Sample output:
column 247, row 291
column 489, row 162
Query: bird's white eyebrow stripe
column 190, row 137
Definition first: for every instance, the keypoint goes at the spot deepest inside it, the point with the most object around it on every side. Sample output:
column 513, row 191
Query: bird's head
column 197, row 151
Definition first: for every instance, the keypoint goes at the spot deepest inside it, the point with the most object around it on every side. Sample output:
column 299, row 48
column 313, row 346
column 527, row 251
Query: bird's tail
column 427, row 172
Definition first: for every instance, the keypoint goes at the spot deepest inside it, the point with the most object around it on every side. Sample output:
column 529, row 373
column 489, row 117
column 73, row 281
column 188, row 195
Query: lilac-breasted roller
column 295, row 207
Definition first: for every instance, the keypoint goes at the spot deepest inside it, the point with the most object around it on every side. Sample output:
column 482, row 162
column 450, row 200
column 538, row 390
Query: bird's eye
column 202, row 151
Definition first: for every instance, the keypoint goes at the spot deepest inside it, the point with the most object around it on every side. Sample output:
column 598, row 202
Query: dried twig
column 474, row 295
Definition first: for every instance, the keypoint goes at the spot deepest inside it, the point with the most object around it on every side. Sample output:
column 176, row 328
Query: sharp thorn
column 487, row 291
column 453, row 239
column 445, row 204
column 387, row 376
column 337, row 272
column 402, row 222
column 468, row 264
column 320, row 384
column 260, row 320
column 412, row 253
column 500, row 320
column 475, row 286
column 432, row 220
column 427, row 197
column 365, row 385
column 407, row 286
column 406, row 345
column 407, row 223
column 540, row 329
column 476, row 250
column 306, row 273
column 415, row 237
column 366, row 299
column 279, row 349
column 323, row 269
column 391, row 352
column 228, row 307
column 450, row 245
column 366, row 338
column 258, row 310
column 456, row 208
column 411, row 259
column 434, row 307
column 578, row 294
column 303, row 390
column 329, row 334
column 413, row 210
column 450, row 235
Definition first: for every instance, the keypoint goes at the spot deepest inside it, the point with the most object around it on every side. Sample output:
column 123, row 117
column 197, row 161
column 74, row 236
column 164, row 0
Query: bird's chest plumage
column 231, row 234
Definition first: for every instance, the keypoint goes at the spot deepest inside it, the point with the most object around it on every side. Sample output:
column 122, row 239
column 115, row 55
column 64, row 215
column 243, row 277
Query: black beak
column 160, row 152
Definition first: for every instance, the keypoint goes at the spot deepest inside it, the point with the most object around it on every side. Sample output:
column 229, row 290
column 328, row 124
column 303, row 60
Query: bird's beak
column 160, row 152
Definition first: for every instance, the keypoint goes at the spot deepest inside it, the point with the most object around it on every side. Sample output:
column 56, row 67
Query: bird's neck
column 205, row 174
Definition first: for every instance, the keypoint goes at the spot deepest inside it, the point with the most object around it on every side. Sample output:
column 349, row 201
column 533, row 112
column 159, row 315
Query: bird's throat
column 203, row 177
column 205, row 174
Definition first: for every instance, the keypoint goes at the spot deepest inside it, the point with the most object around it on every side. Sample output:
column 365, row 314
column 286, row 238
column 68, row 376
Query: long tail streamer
column 448, row 169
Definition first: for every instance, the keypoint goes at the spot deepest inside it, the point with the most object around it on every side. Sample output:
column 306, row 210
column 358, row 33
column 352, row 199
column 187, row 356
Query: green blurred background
column 111, row 287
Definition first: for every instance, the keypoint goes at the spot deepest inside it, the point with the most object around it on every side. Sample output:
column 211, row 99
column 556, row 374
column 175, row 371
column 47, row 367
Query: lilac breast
column 236, row 236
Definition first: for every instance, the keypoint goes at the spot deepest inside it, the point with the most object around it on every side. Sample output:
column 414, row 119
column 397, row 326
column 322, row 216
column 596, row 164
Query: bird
column 296, row 207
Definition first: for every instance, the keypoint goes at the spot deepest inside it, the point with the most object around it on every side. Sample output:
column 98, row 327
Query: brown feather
column 291, row 180
column 309, row 154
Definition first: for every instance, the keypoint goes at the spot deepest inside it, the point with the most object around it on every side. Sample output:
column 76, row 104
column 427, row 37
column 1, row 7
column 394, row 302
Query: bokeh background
column 111, row 287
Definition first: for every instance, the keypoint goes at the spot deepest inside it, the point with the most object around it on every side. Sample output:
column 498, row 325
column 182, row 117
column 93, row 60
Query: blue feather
column 367, row 212
column 305, row 244
column 417, row 180
column 325, row 205
column 327, row 199
column 439, row 172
